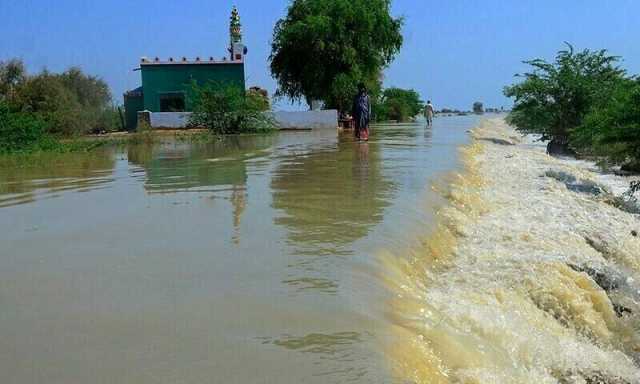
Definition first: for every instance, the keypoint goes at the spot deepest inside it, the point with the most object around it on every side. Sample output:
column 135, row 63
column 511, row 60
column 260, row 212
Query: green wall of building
column 168, row 79
column 133, row 102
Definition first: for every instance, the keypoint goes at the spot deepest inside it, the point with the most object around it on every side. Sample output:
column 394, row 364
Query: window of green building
column 172, row 102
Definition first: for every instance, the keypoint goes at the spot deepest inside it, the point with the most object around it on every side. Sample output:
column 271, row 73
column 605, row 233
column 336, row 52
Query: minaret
column 236, row 48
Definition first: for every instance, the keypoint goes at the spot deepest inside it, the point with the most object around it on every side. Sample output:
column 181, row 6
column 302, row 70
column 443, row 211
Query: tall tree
column 323, row 48
column 12, row 75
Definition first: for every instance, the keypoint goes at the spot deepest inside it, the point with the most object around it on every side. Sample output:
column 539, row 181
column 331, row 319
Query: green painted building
column 166, row 84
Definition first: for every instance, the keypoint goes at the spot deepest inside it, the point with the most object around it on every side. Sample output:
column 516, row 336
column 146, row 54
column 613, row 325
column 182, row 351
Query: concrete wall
column 327, row 119
column 286, row 120
column 173, row 120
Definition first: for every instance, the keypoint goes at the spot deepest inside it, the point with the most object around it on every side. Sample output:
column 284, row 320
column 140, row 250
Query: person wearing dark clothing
column 362, row 113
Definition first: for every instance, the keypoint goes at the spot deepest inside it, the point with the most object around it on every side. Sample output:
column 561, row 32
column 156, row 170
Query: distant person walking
column 428, row 113
column 362, row 113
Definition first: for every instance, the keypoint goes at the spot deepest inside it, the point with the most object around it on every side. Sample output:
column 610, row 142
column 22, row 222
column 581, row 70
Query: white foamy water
column 525, row 280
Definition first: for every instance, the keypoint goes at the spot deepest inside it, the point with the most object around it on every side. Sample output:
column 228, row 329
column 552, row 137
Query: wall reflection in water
column 218, row 167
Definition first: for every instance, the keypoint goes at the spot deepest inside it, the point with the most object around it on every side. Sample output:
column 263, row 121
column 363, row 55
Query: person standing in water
column 428, row 113
column 362, row 113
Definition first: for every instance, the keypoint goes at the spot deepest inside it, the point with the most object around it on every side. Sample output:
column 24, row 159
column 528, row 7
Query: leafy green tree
column 227, row 109
column 398, row 104
column 71, row 103
column 478, row 108
column 90, row 91
column 46, row 96
column 323, row 48
column 12, row 75
column 554, row 98
column 612, row 129
column 96, row 110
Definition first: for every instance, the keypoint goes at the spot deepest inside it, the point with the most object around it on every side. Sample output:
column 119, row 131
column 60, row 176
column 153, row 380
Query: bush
column 397, row 104
column 227, row 109
column 260, row 98
column 70, row 103
column 20, row 131
column 613, row 128
column 46, row 96
column 26, row 133
column 554, row 99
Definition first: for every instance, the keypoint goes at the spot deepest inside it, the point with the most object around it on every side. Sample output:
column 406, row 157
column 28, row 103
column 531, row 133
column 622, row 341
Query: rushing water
column 248, row 260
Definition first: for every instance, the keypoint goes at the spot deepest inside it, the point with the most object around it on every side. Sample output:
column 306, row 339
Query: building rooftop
column 135, row 92
column 184, row 60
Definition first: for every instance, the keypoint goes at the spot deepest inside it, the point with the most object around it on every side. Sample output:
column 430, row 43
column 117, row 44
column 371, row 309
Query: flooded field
column 249, row 260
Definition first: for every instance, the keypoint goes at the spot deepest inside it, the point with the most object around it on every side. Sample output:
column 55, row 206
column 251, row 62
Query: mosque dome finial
column 235, row 27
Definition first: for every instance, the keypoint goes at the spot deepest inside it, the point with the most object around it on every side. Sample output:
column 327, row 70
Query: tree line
column 584, row 103
column 37, row 110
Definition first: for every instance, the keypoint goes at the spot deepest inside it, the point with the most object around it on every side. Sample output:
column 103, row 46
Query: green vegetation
column 260, row 97
column 612, row 129
column 20, row 131
column 24, row 133
column 36, row 111
column 581, row 102
column 348, row 41
column 457, row 112
column 397, row 104
column 554, row 99
column 227, row 109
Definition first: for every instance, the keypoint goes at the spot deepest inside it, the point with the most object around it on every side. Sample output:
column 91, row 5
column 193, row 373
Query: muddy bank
column 532, row 275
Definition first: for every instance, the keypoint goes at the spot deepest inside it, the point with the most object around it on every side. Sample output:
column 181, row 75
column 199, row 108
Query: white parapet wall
column 327, row 119
column 170, row 120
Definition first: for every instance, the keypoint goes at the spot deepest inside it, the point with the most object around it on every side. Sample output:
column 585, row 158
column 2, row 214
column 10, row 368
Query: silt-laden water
column 248, row 260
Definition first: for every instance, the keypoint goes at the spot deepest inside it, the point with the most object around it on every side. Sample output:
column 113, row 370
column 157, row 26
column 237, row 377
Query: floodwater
column 249, row 260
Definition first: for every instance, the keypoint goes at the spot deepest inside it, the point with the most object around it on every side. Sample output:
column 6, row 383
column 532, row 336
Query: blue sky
column 455, row 52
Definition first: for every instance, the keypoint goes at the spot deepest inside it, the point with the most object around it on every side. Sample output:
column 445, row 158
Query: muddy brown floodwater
column 248, row 260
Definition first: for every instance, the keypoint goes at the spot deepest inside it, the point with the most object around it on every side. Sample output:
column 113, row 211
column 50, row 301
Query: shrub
column 227, row 109
column 554, row 99
column 397, row 104
column 46, row 96
column 21, row 132
column 259, row 98
column 26, row 133
column 613, row 128
column 71, row 103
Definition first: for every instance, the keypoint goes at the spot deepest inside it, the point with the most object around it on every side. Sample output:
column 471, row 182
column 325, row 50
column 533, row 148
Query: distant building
column 166, row 83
